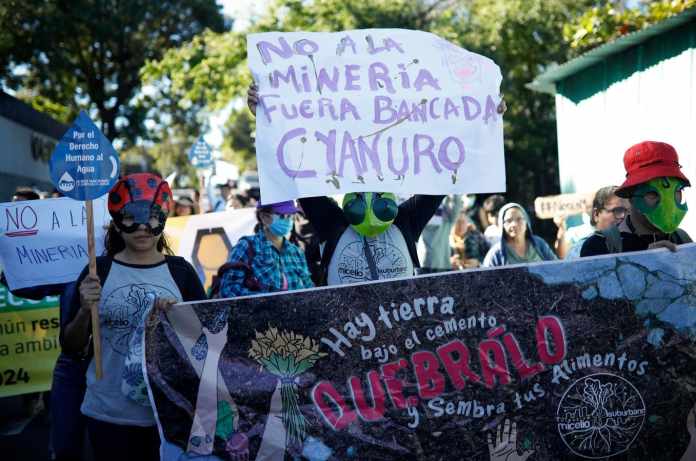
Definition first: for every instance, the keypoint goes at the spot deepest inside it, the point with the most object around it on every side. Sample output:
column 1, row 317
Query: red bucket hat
column 649, row 160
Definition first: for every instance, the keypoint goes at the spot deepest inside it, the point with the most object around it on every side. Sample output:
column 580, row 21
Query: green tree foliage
column 522, row 36
column 87, row 54
column 607, row 22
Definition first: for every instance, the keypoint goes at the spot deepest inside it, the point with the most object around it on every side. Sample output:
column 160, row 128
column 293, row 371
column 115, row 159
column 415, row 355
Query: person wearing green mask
column 654, row 187
column 369, row 237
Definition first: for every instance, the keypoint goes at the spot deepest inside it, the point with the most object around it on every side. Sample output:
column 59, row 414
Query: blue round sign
column 84, row 164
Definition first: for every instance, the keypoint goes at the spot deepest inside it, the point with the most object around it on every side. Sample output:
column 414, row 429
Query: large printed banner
column 205, row 240
column 44, row 242
column 589, row 359
column 28, row 343
column 374, row 110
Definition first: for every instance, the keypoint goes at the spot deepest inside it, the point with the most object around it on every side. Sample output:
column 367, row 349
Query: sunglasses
column 384, row 209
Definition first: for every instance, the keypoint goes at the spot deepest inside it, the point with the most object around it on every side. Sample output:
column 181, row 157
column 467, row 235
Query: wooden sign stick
column 91, row 251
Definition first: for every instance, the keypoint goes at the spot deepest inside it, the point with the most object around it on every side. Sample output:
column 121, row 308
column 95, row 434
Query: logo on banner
column 600, row 416
column 66, row 182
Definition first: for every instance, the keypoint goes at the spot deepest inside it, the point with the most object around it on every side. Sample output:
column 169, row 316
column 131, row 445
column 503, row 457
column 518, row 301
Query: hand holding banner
column 374, row 110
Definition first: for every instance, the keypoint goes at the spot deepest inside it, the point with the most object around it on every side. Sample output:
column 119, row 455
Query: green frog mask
column 370, row 213
column 661, row 201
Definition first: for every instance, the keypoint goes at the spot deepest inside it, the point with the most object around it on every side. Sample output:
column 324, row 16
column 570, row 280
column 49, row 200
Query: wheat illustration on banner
column 287, row 355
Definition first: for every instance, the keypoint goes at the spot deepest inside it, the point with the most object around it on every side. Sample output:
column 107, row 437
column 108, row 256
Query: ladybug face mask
column 140, row 199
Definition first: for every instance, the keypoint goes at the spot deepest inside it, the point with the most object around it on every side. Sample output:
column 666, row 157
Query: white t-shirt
column 128, row 293
column 388, row 250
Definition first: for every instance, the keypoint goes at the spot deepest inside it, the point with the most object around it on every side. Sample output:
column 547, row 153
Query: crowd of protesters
column 314, row 242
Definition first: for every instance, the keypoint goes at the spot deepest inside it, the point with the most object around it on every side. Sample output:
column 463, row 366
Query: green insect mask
column 661, row 201
column 370, row 213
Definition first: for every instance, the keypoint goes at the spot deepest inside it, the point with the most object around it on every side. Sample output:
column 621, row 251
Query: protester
column 608, row 211
column 468, row 244
column 184, row 206
column 305, row 236
column 436, row 235
column 518, row 245
column 135, row 276
column 266, row 261
column 224, row 190
column 654, row 184
column 359, row 240
column 236, row 201
column 25, row 193
column 68, row 424
column 491, row 208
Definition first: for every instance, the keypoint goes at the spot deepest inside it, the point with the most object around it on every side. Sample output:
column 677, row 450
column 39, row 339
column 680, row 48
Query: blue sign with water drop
column 84, row 164
column 200, row 154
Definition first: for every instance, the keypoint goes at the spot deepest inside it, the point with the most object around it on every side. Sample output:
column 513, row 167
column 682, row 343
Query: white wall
column 658, row 104
column 15, row 152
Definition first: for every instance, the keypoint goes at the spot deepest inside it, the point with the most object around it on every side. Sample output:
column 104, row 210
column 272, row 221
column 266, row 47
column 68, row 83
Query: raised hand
column 253, row 97
column 505, row 447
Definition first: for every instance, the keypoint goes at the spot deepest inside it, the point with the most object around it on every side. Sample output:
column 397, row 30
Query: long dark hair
column 113, row 242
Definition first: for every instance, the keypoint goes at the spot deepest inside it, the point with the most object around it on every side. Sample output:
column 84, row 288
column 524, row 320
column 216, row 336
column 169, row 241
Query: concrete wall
column 21, row 151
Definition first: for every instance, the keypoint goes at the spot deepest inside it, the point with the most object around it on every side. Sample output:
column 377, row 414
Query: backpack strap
column 250, row 281
column 612, row 239
column 103, row 268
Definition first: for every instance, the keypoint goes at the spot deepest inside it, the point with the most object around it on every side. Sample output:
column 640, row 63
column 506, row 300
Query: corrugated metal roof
column 545, row 82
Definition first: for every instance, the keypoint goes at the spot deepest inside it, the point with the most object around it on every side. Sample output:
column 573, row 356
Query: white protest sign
column 44, row 242
column 552, row 206
column 386, row 110
column 205, row 240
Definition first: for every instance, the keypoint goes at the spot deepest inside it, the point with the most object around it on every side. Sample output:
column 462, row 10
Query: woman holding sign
column 133, row 277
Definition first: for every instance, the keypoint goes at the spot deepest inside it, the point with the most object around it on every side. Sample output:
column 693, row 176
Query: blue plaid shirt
column 275, row 270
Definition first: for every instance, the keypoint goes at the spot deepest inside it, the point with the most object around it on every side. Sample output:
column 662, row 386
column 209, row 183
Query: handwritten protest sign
column 205, row 240
column 28, row 343
column 44, row 242
column 566, row 360
column 374, row 110
column 562, row 205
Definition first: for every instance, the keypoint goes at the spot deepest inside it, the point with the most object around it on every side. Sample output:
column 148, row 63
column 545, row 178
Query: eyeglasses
column 618, row 212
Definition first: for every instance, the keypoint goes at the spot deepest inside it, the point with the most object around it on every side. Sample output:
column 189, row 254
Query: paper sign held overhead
column 374, row 110
column 84, row 164
column 200, row 154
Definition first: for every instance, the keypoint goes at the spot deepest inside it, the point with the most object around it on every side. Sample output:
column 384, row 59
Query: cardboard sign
column 374, row 110
column 84, row 164
column 588, row 359
column 44, row 242
column 562, row 205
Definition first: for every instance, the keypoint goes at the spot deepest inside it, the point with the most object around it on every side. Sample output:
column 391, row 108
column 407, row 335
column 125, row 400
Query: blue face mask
column 280, row 227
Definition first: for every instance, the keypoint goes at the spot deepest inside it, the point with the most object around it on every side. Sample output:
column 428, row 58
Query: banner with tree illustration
column 588, row 359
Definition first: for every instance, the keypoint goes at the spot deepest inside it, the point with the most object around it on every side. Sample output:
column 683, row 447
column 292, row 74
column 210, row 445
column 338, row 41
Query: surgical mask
column 280, row 227
column 370, row 213
column 661, row 201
